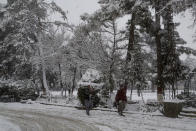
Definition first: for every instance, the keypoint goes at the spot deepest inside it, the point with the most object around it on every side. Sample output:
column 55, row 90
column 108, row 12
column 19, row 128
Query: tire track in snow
column 35, row 121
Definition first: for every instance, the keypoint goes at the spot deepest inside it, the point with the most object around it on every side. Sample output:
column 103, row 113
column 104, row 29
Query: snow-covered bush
column 16, row 91
column 93, row 79
column 148, row 107
column 9, row 93
column 27, row 93
column 83, row 92
column 91, row 75
column 190, row 100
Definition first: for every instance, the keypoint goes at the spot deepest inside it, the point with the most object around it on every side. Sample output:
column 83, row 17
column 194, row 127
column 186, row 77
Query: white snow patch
column 89, row 78
column 91, row 84
column 90, row 75
column 190, row 109
column 104, row 128
column 174, row 101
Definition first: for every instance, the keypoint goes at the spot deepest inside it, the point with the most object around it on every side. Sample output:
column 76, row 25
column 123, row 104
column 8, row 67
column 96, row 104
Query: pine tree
column 104, row 21
column 137, row 10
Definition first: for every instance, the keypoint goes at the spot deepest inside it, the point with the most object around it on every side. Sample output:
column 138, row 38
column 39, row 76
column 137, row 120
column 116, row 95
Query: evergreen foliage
column 36, row 49
column 16, row 93
column 84, row 93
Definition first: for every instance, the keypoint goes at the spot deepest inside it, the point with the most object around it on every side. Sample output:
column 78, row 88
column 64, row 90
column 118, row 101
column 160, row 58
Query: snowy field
column 37, row 117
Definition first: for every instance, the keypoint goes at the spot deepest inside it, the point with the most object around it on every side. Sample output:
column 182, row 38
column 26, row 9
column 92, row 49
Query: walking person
column 88, row 99
column 138, row 87
column 121, row 99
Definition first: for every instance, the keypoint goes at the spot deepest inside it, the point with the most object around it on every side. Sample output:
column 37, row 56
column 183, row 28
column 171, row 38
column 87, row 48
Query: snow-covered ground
column 7, row 125
column 146, row 94
column 37, row 117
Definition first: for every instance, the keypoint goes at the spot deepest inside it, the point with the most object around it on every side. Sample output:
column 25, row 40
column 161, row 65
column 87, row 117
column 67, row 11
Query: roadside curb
column 100, row 109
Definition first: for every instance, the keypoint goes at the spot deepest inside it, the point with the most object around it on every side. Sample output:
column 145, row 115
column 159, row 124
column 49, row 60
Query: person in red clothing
column 121, row 99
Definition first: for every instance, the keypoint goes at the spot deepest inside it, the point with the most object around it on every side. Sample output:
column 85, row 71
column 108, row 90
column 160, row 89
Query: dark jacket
column 87, row 94
column 121, row 95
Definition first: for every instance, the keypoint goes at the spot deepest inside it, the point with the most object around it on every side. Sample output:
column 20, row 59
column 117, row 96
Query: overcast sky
column 77, row 7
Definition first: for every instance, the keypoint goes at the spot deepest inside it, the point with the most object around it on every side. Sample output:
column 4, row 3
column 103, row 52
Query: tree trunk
column 42, row 86
column 152, row 86
column 171, row 47
column 40, row 44
column 61, row 82
column 111, row 80
column 160, row 83
column 169, row 92
column 74, row 79
column 62, row 90
column 47, row 92
column 132, row 84
column 173, row 91
column 142, row 97
column 65, row 93
column 130, row 47
column 176, row 88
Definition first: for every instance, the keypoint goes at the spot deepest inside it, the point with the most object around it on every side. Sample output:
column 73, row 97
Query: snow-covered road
column 6, row 125
column 37, row 117
column 35, row 121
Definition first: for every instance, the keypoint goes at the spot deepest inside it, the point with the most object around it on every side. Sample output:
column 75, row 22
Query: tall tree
column 160, row 83
column 28, row 21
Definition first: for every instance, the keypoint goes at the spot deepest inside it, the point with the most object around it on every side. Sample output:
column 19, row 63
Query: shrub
column 83, row 93
column 27, row 93
column 16, row 93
